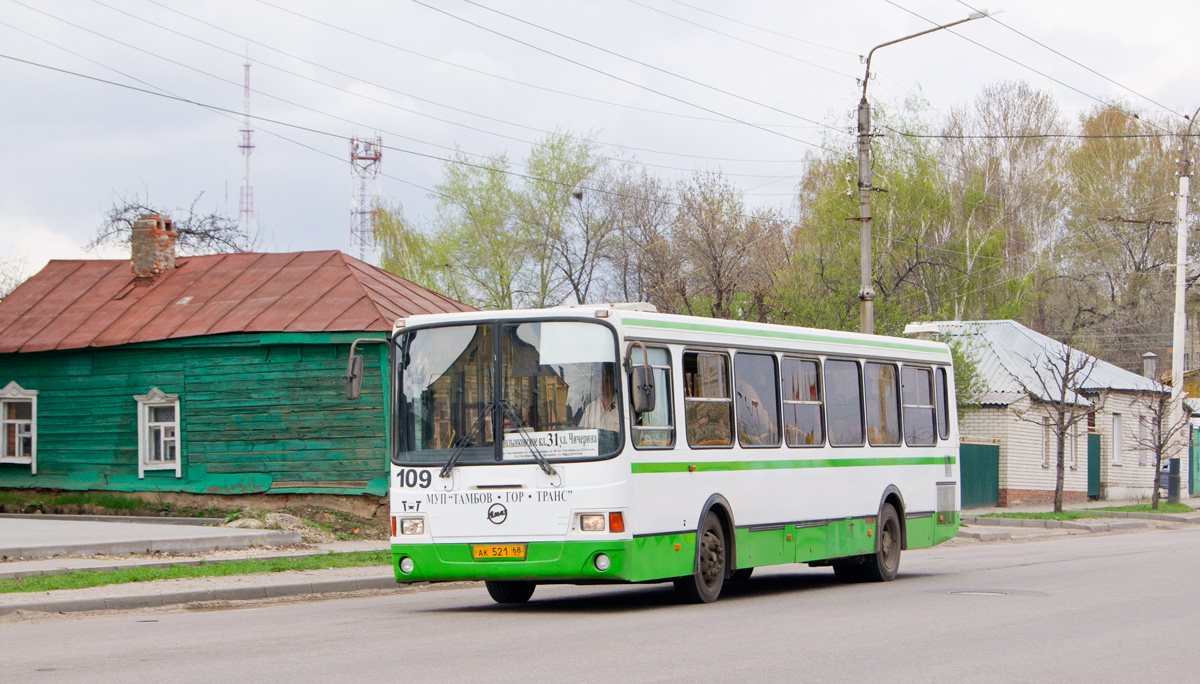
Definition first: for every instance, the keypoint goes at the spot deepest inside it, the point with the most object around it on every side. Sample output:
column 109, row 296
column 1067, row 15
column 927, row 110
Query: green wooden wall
column 259, row 413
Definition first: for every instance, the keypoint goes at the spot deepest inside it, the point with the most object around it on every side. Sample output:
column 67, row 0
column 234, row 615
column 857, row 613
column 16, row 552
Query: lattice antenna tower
column 365, row 158
column 247, row 222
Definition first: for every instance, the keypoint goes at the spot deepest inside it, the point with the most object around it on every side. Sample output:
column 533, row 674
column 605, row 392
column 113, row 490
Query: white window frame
column 1143, row 449
column 156, row 397
column 13, row 392
column 1047, row 437
column 1116, row 438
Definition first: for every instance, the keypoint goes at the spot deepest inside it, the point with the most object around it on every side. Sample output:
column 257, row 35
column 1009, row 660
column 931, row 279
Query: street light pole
column 866, row 292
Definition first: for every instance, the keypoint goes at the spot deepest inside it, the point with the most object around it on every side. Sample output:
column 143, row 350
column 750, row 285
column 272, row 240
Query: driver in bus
column 601, row 413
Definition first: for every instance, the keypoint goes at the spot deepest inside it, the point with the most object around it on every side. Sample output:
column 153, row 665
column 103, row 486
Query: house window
column 158, row 433
column 18, row 418
column 1143, row 446
column 1116, row 439
column 1048, row 444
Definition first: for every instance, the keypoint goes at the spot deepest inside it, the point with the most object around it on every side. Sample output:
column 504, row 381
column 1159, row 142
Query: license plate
column 493, row 551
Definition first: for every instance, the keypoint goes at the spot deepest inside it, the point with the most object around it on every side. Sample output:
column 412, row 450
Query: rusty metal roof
column 74, row 304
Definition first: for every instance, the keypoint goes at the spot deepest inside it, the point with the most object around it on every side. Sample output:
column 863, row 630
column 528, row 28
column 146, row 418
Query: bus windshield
column 507, row 392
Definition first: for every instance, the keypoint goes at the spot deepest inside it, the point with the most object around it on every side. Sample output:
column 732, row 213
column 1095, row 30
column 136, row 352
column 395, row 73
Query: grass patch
column 1163, row 507
column 98, row 578
column 1065, row 515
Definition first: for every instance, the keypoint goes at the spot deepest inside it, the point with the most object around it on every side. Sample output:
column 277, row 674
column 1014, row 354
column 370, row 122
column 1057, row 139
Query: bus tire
column 704, row 584
column 883, row 565
column 510, row 592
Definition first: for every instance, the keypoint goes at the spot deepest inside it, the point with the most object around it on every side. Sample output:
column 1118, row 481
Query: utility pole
column 866, row 291
column 1178, row 359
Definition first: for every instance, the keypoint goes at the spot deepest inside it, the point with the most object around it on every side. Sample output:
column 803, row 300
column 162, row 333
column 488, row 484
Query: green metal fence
column 980, row 475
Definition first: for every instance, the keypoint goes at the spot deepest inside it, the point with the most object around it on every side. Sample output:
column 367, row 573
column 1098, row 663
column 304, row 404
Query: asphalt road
column 1102, row 608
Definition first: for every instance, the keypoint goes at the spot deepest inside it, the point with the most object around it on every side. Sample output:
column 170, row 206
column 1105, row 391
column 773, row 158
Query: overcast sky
column 662, row 81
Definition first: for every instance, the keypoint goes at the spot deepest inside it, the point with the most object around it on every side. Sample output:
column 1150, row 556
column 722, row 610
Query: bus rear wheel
column 884, row 564
column 509, row 592
column 704, row 585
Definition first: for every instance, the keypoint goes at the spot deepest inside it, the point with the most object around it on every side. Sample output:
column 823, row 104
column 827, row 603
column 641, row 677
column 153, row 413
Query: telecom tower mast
column 247, row 223
column 365, row 157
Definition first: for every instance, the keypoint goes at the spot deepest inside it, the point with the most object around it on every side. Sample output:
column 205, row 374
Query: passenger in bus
column 601, row 413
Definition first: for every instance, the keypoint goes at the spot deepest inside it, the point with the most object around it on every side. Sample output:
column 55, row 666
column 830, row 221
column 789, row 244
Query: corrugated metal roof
column 1009, row 358
column 97, row 303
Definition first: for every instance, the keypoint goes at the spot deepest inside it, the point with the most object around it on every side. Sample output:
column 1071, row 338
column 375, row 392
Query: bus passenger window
column 706, row 400
column 943, row 409
column 654, row 428
column 916, row 386
column 843, row 402
column 802, row 423
column 883, row 405
column 756, row 397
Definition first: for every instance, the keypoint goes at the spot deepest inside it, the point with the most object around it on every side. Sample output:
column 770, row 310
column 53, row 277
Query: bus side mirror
column 643, row 389
column 353, row 377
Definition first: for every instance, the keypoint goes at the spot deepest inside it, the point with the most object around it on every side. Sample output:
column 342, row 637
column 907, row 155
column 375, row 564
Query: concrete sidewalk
column 43, row 536
column 40, row 545
column 976, row 526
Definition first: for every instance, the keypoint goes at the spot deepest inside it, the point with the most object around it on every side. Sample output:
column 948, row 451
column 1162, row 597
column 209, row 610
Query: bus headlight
column 591, row 523
column 406, row 565
column 412, row 526
column 603, row 562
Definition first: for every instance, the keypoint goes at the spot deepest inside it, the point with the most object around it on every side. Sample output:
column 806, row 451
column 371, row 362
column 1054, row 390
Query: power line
column 393, row 46
column 410, row 95
column 461, row 162
column 1014, row 61
column 1035, row 136
column 627, row 81
column 1069, row 59
column 765, row 30
column 741, row 40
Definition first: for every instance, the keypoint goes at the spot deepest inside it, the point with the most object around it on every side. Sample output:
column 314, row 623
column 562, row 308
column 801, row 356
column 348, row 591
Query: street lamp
column 866, row 292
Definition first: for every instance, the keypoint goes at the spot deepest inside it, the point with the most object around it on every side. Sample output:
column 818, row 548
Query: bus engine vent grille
column 947, row 499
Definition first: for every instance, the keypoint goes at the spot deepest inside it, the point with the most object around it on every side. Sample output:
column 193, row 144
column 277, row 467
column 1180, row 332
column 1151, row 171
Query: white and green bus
column 614, row 444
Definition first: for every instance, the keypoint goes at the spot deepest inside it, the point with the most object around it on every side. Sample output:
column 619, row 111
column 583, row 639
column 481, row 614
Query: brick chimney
column 152, row 246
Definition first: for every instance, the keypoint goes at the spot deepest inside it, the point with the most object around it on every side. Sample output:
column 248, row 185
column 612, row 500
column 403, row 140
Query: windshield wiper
column 467, row 439
column 537, row 454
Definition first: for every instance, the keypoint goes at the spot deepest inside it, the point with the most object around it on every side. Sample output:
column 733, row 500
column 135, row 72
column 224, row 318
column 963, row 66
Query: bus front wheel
column 510, row 592
column 704, row 584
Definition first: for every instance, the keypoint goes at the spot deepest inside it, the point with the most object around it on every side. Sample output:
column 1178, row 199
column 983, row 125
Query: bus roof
column 639, row 321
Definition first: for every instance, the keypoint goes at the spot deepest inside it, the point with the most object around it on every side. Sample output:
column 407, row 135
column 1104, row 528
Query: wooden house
column 215, row 374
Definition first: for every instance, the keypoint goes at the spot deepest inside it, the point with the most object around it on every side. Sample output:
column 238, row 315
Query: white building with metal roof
column 1015, row 365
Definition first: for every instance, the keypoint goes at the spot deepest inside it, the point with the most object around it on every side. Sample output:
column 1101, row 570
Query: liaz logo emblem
column 497, row 514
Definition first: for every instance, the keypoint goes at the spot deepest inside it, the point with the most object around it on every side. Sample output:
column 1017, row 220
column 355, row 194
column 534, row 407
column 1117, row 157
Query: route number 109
column 411, row 477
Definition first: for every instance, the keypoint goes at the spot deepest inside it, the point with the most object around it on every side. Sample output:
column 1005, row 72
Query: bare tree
column 1056, row 390
column 12, row 274
column 1162, row 438
column 199, row 232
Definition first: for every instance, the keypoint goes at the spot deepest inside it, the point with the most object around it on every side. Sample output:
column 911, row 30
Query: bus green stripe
column 721, row 466
column 882, row 343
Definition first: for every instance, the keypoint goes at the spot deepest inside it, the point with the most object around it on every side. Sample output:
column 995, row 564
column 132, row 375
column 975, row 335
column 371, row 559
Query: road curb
column 985, row 536
column 78, row 605
column 147, row 519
